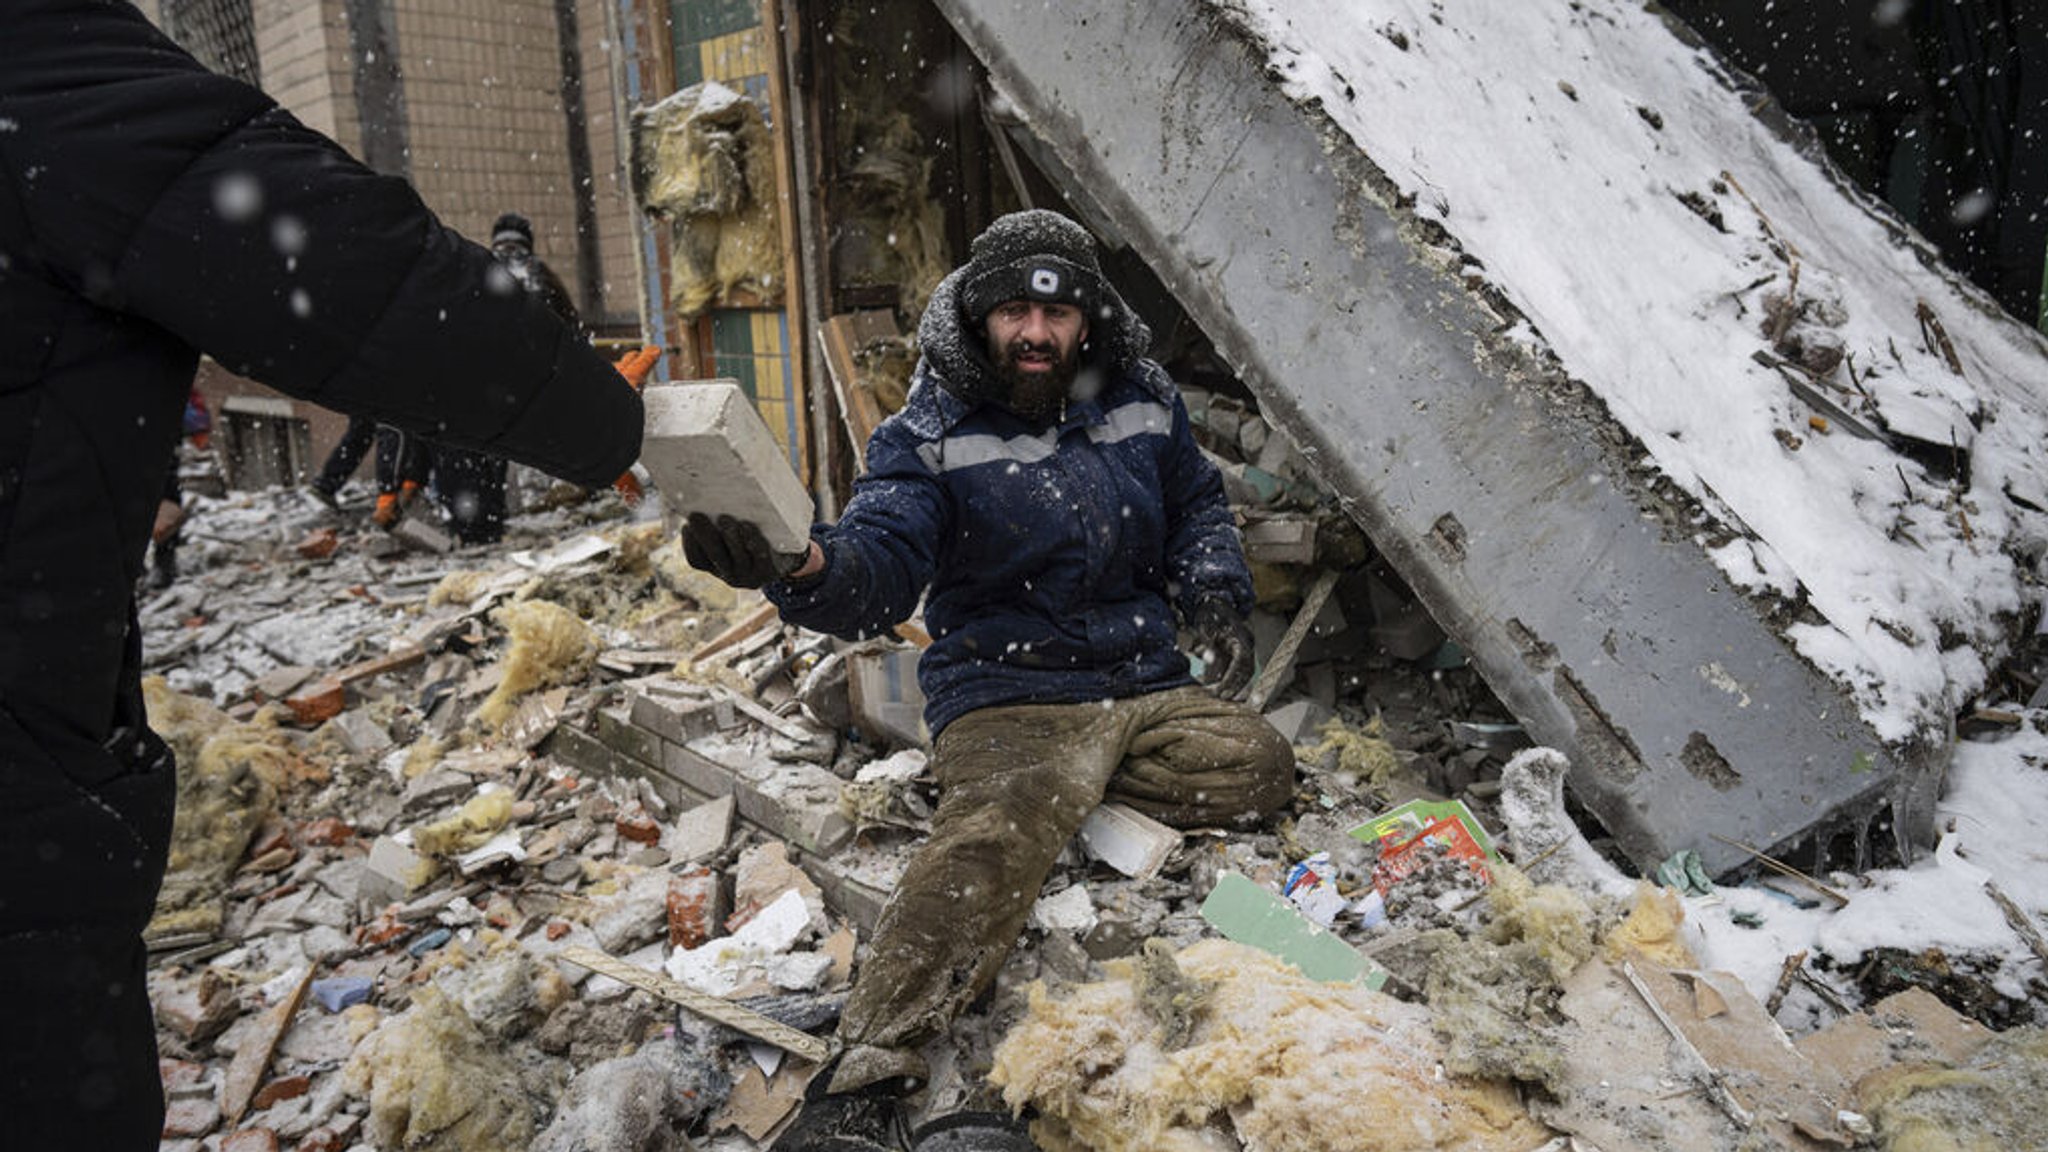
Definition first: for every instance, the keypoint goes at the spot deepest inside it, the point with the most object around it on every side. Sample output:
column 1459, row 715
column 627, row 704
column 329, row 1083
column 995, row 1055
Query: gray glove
column 1225, row 641
column 735, row 551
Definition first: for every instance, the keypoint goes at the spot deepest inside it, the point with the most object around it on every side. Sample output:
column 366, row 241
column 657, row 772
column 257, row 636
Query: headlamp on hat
column 1046, row 279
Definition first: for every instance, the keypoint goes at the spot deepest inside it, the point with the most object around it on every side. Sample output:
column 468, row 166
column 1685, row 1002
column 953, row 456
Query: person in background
column 348, row 452
column 166, row 529
column 405, row 462
column 151, row 211
column 1042, row 491
column 470, row 484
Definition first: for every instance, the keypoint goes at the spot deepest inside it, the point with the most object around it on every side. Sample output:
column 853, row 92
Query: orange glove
column 387, row 511
column 635, row 366
column 628, row 488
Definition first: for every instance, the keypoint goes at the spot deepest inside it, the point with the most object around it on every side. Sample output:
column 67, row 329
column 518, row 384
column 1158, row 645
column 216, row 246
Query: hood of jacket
column 956, row 354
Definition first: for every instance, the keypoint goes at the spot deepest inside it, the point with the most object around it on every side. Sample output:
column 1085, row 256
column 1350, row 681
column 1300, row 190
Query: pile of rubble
column 562, row 845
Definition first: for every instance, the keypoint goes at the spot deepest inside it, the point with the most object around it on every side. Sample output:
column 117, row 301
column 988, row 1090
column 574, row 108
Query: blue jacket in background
column 1050, row 552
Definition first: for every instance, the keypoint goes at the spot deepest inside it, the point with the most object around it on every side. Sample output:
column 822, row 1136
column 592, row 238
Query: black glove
column 1226, row 647
column 735, row 551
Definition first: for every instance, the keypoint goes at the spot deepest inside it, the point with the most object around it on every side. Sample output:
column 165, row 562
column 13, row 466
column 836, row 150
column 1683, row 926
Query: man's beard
column 1036, row 395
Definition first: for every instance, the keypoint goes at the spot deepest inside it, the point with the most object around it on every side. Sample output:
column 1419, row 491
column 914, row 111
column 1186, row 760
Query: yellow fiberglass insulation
column 1651, row 929
column 1966, row 1109
column 549, row 646
column 436, row 1084
column 702, row 159
column 422, row 757
column 1552, row 918
column 477, row 821
column 1362, row 753
column 458, row 588
column 228, row 777
column 1288, row 1064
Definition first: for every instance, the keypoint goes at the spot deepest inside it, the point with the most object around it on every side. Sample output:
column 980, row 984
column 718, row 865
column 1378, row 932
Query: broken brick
column 326, row 832
column 194, row 1116
column 250, row 1140
column 277, row 893
column 557, row 929
column 322, row 1139
column 282, row 1088
column 637, row 826
column 318, row 704
column 180, row 1077
column 319, row 544
column 692, row 908
column 383, row 930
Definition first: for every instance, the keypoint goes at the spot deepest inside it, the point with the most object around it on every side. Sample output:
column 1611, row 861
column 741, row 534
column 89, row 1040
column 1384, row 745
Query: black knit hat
column 512, row 226
column 1034, row 255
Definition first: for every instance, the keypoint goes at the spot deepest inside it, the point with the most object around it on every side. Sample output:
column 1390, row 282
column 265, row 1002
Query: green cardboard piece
column 1248, row 914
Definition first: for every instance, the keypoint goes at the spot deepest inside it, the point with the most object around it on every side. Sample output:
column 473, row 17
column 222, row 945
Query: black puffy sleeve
column 190, row 201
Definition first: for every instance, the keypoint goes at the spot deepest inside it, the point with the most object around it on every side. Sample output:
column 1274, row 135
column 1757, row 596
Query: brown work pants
column 1016, row 783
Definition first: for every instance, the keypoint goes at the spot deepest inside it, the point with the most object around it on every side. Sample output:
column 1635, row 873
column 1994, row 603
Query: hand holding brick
column 710, row 453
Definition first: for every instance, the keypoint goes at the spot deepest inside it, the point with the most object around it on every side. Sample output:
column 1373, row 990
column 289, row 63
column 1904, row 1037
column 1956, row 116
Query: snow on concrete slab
column 1607, row 177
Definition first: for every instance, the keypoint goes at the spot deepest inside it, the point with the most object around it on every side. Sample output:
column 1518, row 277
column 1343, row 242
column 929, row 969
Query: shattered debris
column 652, row 786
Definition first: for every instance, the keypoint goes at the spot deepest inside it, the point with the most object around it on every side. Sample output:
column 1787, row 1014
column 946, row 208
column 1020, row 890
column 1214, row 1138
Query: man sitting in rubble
column 1042, row 483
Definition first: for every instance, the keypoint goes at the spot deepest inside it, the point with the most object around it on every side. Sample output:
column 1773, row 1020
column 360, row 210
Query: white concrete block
column 710, row 452
column 1128, row 840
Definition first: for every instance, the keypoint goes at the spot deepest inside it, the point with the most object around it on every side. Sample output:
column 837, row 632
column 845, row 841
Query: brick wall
column 482, row 81
column 614, row 193
column 303, row 46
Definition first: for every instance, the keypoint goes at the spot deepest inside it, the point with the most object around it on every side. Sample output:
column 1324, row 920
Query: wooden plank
column 746, row 626
column 735, row 1016
column 252, row 1059
column 842, row 338
column 786, row 220
column 1279, row 667
column 2018, row 918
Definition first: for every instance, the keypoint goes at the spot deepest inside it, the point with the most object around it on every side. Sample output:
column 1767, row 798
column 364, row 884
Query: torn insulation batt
column 1290, row 1064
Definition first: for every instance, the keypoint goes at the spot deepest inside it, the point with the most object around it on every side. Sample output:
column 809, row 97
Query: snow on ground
column 1996, row 804
column 1555, row 142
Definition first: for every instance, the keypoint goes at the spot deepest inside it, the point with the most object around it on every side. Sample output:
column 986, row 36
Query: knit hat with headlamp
column 1034, row 255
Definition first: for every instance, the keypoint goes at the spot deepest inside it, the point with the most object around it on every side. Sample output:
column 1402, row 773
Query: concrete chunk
column 1565, row 545
column 421, row 536
column 710, row 452
column 362, row 735
column 680, row 720
column 701, row 832
column 1128, row 840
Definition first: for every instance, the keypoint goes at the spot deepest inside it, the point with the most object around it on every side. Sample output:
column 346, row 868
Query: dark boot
column 845, row 1124
column 863, row 1121
column 973, row 1132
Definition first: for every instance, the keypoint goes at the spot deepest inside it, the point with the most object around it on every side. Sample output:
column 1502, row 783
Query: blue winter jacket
column 1050, row 552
